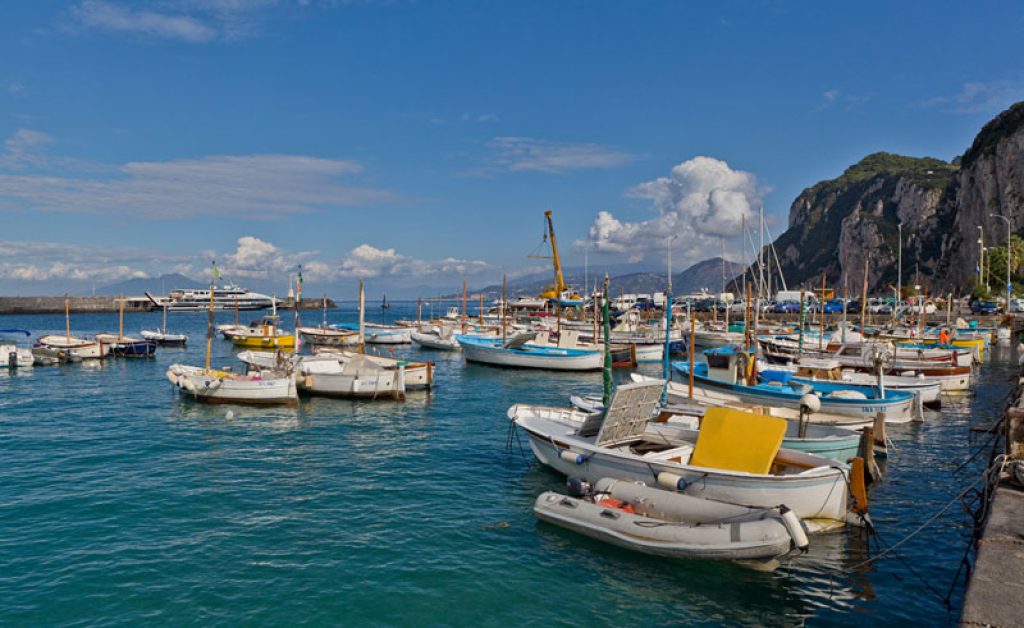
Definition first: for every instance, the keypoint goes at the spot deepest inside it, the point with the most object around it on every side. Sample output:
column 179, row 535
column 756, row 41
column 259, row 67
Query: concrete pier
column 995, row 593
column 100, row 304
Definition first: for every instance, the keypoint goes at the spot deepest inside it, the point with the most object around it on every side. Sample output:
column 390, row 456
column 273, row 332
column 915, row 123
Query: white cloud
column 15, row 88
column 516, row 154
column 979, row 97
column 25, row 148
column 250, row 186
column 29, row 261
column 190, row 21
column 701, row 201
column 107, row 16
column 367, row 260
column 258, row 258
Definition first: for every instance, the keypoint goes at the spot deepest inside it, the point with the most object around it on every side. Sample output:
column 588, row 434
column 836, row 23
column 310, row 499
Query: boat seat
column 678, row 455
column 783, row 460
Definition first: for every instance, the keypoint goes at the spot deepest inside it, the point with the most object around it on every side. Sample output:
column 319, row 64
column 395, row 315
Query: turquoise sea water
column 122, row 503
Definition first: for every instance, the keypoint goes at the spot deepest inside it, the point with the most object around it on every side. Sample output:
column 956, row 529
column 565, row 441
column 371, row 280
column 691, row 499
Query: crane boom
column 559, row 279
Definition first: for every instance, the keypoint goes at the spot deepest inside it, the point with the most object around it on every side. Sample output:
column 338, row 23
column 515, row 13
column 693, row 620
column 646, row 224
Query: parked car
column 879, row 306
column 834, row 306
column 1016, row 305
column 985, row 307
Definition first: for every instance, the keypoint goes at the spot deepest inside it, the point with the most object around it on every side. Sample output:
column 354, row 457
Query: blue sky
column 417, row 143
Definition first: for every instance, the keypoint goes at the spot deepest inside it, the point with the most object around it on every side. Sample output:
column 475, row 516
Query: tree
column 997, row 262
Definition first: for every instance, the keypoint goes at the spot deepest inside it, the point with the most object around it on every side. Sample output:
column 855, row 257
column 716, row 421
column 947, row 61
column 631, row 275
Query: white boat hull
column 76, row 347
column 818, row 495
column 220, row 387
column 497, row 356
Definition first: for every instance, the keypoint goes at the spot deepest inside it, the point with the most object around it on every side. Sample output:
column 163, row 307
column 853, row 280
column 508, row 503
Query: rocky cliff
column 991, row 181
column 835, row 225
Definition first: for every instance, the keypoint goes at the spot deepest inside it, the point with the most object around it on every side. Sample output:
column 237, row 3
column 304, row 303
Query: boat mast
column 209, row 324
column 464, row 288
column 362, row 317
column 504, row 291
column 120, row 319
column 67, row 318
column 165, row 318
column 298, row 309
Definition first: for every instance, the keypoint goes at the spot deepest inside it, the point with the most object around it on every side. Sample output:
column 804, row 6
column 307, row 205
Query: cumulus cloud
column 701, row 201
column 258, row 258
column 519, row 154
column 367, row 260
column 252, row 186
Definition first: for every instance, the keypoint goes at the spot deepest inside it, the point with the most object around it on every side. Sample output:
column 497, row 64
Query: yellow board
column 738, row 441
column 265, row 342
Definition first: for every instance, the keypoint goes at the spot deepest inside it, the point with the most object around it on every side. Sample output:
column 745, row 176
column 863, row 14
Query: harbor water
column 122, row 503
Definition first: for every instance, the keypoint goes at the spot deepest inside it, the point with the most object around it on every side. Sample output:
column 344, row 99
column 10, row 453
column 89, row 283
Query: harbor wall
column 995, row 592
column 100, row 304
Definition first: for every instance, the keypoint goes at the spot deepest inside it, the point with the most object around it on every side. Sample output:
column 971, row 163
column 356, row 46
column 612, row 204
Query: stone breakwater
column 99, row 304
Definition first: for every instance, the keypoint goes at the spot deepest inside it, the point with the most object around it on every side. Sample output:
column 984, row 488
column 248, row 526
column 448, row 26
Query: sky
column 415, row 144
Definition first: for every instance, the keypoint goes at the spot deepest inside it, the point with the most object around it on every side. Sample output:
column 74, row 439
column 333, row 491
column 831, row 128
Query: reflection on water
column 150, row 505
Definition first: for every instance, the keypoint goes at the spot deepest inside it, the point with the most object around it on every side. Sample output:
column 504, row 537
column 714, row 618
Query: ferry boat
column 227, row 297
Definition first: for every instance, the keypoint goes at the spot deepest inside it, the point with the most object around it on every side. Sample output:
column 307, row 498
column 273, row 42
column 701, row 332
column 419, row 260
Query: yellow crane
column 559, row 291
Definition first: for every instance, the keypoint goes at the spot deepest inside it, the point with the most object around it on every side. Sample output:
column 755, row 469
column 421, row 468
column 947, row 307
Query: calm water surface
column 121, row 503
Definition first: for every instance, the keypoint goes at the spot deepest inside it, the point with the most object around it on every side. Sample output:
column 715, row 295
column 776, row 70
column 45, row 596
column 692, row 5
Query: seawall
column 95, row 304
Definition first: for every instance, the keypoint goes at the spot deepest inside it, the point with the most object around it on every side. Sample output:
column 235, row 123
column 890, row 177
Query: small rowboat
column 654, row 521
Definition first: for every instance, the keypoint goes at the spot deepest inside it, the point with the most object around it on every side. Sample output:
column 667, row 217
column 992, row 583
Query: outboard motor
column 12, row 360
column 577, row 487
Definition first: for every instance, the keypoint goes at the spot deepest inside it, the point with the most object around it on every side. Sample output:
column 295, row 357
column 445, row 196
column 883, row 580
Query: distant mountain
column 157, row 285
column 707, row 275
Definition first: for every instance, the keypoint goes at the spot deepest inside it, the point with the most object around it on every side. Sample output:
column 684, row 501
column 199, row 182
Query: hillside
column 835, row 225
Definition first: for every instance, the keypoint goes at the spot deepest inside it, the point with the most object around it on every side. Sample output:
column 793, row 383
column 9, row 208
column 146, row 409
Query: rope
column 920, row 528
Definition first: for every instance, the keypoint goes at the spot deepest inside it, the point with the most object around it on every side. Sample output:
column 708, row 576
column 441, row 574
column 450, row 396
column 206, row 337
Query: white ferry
column 228, row 297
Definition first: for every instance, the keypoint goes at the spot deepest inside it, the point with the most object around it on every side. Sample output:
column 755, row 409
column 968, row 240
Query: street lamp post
column 1009, row 286
column 899, row 270
column 981, row 256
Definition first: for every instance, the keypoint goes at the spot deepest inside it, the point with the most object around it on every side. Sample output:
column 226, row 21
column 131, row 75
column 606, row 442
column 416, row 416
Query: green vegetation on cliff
column 1002, row 126
column 926, row 172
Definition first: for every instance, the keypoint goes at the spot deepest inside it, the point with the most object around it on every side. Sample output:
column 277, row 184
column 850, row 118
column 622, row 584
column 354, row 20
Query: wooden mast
column 209, row 324
column 362, row 318
column 504, row 291
column 864, row 300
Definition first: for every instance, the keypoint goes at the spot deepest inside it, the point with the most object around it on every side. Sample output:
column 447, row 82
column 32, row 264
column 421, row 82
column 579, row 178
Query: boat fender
column 672, row 481
column 795, row 528
column 572, row 456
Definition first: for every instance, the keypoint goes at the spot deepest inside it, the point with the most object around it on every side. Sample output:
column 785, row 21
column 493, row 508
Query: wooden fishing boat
column 357, row 377
column 163, row 337
column 260, row 386
column 126, row 346
column 218, row 386
column 73, row 348
column 680, row 421
column 417, row 375
column 382, row 334
column 763, row 475
column 859, row 402
column 524, row 351
column 438, row 338
column 267, row 334
column 329, row 336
